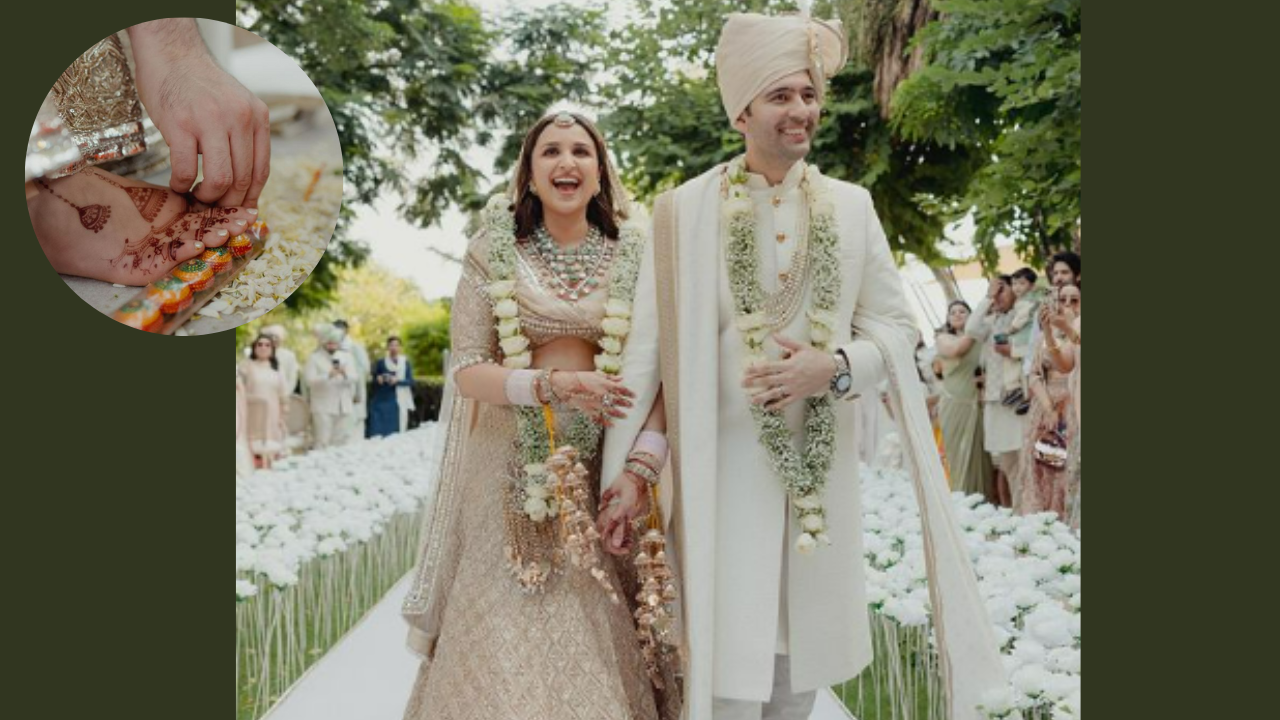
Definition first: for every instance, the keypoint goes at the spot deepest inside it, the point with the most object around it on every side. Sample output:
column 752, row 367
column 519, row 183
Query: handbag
column 1051, row 451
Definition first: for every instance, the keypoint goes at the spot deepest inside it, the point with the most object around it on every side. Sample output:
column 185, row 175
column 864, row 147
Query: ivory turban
column 756, row 51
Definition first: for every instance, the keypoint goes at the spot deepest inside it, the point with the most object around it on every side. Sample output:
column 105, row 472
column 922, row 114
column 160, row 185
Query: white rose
column 819, row 335
column 535, row 470
column 607, row 363
column 806, row 544
column 824, row 206
column 808, row 503
column 747, row 323
column 506, row 309
column 536, row 490
column 813, row 524
column 824, row 539
column 611, row 345
column 536, row 509
column 617, row 308
column 514, row 345
column 508, row 327
column 502, row 289
column 737, row 205
column 518, row 362
column 824, row 318
column 617, row 327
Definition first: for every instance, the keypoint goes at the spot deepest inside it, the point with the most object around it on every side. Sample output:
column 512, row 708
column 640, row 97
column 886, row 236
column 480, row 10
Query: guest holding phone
column 1002, row 426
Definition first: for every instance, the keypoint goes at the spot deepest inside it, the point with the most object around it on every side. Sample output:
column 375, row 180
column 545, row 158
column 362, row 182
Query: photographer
column 1002, row 426
column 332, row 377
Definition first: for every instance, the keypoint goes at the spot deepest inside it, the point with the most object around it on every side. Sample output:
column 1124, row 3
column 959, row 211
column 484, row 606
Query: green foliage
column 1003, row 77
column 374, row 302
column 427, row 340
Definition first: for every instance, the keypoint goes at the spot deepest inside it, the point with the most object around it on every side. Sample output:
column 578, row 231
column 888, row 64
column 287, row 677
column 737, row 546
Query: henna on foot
column 134, row 249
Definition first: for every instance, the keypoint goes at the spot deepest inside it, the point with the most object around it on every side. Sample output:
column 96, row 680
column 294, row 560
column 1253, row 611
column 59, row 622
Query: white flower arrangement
column 803, row 475
column 582, row 433
column 1028, row 570
column 318, row 505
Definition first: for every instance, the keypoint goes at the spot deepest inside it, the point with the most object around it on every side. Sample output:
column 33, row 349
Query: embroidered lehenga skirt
column 567, row 653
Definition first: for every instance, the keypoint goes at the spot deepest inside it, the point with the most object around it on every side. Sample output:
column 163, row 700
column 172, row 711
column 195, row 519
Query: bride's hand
column 602, row 397
column 624, row 501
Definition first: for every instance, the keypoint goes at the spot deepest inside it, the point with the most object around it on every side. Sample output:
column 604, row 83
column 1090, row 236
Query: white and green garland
column 803, row 475
column 532, row 439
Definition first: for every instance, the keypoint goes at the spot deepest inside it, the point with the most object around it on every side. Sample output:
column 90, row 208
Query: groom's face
column 781, row 121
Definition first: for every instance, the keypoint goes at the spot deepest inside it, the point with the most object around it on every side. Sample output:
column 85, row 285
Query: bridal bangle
column 519, row 387
column 652, row 442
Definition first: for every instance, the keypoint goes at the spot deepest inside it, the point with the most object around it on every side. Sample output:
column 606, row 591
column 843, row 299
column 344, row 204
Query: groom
column 761, row 272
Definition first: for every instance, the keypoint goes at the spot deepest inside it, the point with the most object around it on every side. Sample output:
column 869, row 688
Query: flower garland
column 537, row 483
column 803, row 476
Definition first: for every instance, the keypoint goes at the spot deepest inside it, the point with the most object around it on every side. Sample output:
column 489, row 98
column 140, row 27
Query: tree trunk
column 947, row 281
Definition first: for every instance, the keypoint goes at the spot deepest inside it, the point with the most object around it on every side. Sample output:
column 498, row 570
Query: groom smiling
column 769, row 301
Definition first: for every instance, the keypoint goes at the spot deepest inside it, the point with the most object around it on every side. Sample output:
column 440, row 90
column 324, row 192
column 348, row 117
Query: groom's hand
column 804, row 371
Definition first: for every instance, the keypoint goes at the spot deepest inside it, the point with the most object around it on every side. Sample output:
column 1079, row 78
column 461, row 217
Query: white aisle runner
column 368, row 675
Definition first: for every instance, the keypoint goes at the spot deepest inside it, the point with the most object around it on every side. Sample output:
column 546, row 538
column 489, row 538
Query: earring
column 533, row 190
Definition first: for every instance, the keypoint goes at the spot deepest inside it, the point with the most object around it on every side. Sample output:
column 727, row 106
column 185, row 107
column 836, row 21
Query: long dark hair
column 946, row 322
column 600, row 212
column 253, row 350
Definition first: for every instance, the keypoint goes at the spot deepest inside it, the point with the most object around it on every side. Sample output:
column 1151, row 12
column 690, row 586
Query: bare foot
column 102, row 226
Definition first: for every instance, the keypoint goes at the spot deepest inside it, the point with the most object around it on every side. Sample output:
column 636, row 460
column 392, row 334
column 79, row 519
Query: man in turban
column 777, row 302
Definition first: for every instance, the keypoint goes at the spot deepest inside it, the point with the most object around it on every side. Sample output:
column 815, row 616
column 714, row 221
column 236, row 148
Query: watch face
column 842, row 383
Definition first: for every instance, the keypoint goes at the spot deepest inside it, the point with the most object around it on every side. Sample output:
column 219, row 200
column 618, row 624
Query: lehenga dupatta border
column 968, row 651
column 425, row 604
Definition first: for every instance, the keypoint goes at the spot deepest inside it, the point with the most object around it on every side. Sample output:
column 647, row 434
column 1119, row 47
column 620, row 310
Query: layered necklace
column 537, row 491
column 575, row 272
column 803, row 474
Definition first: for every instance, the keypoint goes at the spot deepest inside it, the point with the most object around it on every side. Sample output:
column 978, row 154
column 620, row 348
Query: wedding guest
column 1020, row 329
column 360, row 357
column 960, row 409
column 392, row 399
column 266, row 395
column 1002, row 427
column 1045, row 477
column 331, row 376
column 286, row 357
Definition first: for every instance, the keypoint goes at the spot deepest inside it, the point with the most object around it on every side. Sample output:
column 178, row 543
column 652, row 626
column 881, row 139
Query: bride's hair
column 605, row 210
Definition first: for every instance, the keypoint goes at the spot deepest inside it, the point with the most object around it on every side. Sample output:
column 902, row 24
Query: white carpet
column 369, row 674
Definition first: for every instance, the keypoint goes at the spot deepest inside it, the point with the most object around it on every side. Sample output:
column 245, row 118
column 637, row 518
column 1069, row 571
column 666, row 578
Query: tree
column 1003, row 77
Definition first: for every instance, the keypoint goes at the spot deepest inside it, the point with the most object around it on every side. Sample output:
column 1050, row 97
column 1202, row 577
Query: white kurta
column 733, row 509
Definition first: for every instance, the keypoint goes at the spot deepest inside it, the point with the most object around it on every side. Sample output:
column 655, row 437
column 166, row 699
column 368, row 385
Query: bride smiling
column 507, row 627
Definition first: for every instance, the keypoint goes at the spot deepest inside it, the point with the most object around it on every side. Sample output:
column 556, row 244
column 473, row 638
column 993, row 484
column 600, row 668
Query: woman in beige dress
column 266, row 398
column 960, row 409
column 506, row 628
column 1046, row 487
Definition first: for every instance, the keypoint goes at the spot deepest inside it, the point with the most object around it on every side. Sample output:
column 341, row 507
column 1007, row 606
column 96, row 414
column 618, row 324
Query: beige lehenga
column 492, row 651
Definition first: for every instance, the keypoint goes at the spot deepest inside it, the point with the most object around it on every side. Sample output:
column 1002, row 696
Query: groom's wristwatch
column 843, row 379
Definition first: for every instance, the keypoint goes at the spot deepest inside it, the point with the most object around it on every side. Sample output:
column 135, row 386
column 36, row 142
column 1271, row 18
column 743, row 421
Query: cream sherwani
column 733, row 521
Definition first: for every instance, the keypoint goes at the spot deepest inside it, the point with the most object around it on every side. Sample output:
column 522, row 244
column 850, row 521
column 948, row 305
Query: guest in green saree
column 960, row 409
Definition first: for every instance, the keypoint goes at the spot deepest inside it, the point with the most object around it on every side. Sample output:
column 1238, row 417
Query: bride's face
column 566, row 169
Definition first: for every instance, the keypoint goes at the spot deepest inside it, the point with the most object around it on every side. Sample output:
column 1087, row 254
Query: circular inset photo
column 183, row 176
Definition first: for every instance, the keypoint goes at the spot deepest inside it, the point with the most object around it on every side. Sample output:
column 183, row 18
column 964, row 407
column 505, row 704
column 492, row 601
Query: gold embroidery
column 98, row 103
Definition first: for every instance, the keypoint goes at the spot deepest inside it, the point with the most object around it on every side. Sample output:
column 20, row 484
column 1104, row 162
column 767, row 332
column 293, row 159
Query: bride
column 509, row 628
